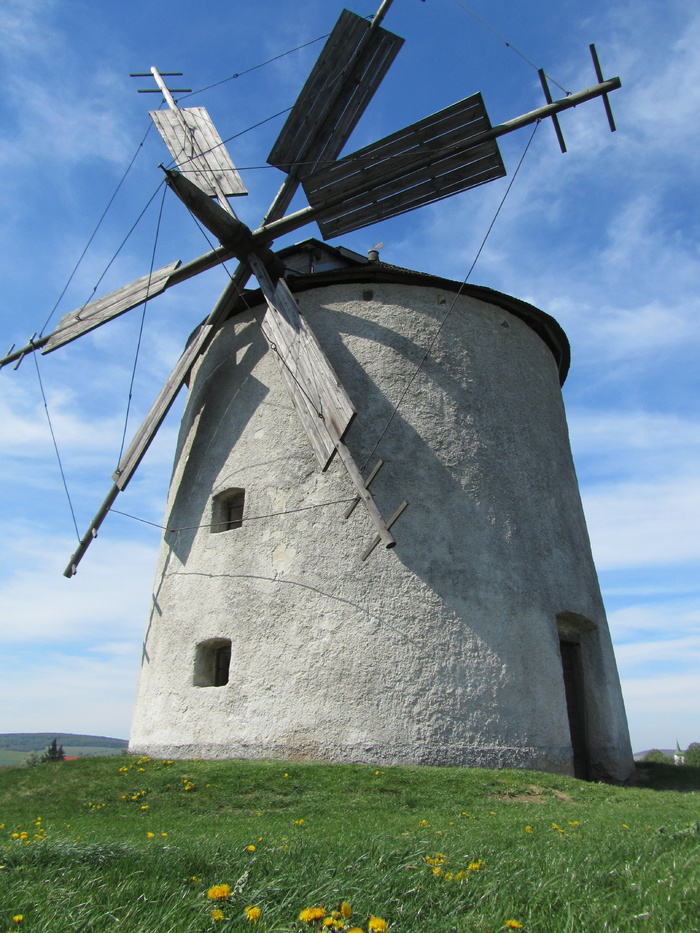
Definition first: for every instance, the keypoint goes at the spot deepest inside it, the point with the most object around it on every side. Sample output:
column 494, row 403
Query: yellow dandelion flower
column 328, row 922
column 150, row 835
column 219, row 892
column 18, row 918
column 376, row 925
column 296, row 822
column 217, row 915
column 513, row 925
column 355, row 930
column 476, row 866
column 309, row 914
column 285, row 774
column 252, row 913
column 145, row 806
column 164, row 835
column 250, row 848
column 528, row 829
column 448, row 876
column 15, row 835
column 573, row 823
column 492, row 812
column 437, row 871
column 345, row 910
column 423, row 823
column 625, row 826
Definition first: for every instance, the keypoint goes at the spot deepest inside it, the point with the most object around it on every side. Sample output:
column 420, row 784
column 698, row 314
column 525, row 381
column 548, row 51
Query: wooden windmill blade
column 448, row 152
column 323, row 405
column 349, row 70
column 104, row 309
column 423, row 163
column 198, row 150
column 324, row 409
column 92, row 315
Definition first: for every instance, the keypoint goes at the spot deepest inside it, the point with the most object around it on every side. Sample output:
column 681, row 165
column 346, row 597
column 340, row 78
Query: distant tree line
column 691, row 756
column 35, row 741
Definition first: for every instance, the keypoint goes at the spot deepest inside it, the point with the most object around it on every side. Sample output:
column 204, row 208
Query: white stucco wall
column 444, row 650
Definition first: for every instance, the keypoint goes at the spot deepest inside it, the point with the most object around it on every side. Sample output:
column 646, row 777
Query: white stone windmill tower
column 479, row 636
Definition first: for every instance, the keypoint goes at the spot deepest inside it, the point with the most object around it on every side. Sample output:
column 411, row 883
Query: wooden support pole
column 368, row 482
column 91, row 533
column 599, row 76
column 397, row 514
column 555, row 120
column 380, row 14
column 383, row 533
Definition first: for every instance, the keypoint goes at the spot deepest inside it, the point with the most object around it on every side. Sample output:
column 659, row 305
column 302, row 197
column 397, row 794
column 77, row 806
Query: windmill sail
column 418, row 165
column 92, row 315
column 320, row 400
column 198, row 150
column 349, row 70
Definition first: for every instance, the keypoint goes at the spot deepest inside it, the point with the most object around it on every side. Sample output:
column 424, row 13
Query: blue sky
column 605, row 238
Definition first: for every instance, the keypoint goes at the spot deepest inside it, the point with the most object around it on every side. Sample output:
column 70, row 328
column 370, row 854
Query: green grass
column 618, row 859
column 8, row 758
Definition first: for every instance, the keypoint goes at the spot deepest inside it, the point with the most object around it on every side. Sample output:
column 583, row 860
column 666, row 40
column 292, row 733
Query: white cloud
column 110, row 594
column 663, row 709
column 649, row 623
column 637, row 524
column 60, row 692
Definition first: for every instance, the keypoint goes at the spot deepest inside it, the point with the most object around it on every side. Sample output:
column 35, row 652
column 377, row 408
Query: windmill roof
column 314, row 264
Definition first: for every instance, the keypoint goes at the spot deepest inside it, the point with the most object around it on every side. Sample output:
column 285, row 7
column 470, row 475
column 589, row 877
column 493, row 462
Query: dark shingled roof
column 368, row 272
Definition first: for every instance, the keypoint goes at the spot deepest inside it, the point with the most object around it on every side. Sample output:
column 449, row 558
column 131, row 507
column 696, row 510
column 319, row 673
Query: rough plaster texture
column 444, row 650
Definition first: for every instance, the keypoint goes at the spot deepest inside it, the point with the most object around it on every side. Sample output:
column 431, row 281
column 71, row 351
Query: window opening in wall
column 227, row 510
column 575, row 708
column 212, row 663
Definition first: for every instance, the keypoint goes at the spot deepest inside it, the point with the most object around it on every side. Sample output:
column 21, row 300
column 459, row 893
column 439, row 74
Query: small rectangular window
column 227, row 510
column 212, row 663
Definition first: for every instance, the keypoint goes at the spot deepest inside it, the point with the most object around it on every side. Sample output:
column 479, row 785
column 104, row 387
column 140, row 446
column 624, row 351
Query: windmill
column 444, row 154
column 447, row 153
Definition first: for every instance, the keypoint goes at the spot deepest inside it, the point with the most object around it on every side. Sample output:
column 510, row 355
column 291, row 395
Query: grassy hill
column 15, row 746
column 140, row 845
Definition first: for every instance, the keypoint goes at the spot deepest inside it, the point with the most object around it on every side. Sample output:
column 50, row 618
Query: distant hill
column 669, row 752
column 15, row 746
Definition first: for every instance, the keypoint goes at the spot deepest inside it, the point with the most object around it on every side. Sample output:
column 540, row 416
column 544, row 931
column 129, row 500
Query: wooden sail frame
column 198, row 150
column 423, row 163
column 405, row 179
column 346, row 75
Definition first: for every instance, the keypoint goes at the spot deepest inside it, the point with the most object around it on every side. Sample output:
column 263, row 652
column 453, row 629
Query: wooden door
column 575, row 708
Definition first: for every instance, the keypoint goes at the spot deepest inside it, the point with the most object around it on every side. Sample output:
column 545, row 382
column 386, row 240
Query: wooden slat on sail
column 320, row 400
column 198, row 150
column 160, row 408
column 418, row 165
column 317, row 394
column 92, row 315
column 349, row 70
